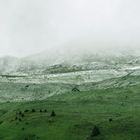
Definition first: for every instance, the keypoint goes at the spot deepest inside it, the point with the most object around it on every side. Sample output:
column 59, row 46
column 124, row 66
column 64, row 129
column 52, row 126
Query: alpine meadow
column 69, row 70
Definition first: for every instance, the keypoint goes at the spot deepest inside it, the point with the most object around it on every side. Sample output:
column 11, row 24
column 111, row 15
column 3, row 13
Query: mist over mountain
column 69, row 57
column 31, row 26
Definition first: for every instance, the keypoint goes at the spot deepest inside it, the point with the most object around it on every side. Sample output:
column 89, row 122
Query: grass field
column 114, row 111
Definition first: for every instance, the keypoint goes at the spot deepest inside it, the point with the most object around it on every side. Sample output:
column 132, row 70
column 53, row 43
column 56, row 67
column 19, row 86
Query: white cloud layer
column 31, row 26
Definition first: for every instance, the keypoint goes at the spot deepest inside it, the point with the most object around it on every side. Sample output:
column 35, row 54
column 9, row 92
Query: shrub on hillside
column 33, row 110
column 53, row 114
column 26, row 110
column 94, row 133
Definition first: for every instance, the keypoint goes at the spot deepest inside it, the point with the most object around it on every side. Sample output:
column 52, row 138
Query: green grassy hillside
column 114, row 111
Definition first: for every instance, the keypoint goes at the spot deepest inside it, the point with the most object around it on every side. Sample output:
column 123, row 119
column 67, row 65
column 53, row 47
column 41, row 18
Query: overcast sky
column 31, row 26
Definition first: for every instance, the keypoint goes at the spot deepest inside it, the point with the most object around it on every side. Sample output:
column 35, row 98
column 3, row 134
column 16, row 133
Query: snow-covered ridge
column 89, row 68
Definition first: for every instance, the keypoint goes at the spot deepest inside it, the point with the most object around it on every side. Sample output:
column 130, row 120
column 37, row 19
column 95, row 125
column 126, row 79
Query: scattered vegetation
column 110, row 119
column 55, row 118
column 75, row 89
column 53, row 114
column 26, row 111
column 33, row 110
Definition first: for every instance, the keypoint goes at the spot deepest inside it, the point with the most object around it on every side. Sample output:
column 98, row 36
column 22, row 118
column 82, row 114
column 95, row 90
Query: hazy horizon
column 33, row 26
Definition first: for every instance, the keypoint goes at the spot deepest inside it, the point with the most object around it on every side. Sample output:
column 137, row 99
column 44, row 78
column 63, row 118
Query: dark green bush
column 53, row 114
